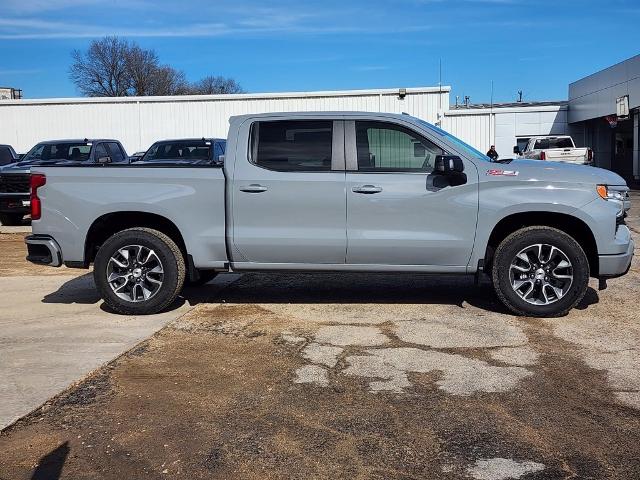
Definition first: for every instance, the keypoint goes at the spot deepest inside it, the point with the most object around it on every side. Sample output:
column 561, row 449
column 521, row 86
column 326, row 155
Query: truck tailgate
column 192, row 198
column 567, row 154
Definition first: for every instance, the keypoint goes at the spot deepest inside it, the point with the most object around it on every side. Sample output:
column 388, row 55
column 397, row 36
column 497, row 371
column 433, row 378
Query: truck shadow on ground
column 330, row 288
column 355, row 288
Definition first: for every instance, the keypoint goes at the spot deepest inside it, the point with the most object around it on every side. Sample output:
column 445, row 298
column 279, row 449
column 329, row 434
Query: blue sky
column 284, row 45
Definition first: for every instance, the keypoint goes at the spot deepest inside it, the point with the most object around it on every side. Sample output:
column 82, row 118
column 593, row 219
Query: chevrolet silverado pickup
column 346, row 192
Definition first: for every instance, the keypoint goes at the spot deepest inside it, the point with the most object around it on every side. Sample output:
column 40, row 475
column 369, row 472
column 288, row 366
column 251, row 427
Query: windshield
column 58, row 151
column 184, row 150
column 456, row 141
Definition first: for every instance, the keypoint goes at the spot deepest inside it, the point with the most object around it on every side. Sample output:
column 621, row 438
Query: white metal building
column 139, row 121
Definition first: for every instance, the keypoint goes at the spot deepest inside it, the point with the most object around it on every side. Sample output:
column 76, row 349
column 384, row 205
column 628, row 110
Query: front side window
column 6, row 156
column 218, row 151
column 116, row 152
column 385, row 147
column 292, row 145
column 101, row 151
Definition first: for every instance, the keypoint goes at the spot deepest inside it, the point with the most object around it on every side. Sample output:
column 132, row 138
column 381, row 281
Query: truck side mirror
column 448, row 164
column 104, row 160
column 516, row 150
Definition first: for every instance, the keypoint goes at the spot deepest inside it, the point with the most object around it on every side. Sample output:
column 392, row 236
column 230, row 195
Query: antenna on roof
column 519, row 96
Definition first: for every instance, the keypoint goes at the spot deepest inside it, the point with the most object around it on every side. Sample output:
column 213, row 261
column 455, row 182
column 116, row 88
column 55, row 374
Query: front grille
column 17, row 183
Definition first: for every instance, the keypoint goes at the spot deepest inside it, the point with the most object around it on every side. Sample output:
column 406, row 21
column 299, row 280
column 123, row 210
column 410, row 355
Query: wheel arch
column 569, row 224
column 110, row 223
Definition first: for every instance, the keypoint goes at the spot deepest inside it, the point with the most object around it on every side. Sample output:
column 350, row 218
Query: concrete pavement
column 53, row 332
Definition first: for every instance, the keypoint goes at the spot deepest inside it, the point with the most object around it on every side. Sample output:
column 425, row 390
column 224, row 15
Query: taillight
column 543, row 156
column 37, row 181
column 590, row 155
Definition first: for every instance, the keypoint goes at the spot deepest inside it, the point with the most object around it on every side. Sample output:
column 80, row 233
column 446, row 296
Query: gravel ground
column 355, row 376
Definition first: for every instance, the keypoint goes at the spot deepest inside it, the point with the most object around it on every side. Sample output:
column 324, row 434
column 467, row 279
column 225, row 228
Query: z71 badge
column 503, row 173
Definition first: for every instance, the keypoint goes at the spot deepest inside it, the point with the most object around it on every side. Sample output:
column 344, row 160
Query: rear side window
column 386, row 147
column 116, row 152
column 6, row 157
column 292, row 146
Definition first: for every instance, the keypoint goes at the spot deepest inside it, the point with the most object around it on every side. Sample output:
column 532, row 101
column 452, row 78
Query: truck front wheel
column 540, row 272
column 139, row 271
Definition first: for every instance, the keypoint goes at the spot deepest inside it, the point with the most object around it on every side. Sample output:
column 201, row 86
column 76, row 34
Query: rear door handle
column 366, row 189
column 253, row 188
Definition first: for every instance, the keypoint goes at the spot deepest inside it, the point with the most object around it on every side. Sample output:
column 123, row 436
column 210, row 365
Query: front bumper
column 616, row 265
column 43, row 250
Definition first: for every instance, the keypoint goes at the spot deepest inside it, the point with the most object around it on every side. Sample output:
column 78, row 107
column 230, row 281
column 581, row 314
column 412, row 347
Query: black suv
column 14, row 178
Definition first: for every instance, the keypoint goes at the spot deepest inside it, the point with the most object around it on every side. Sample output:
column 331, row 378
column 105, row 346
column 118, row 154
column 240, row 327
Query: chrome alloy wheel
column 135, row 273
column 541, row 274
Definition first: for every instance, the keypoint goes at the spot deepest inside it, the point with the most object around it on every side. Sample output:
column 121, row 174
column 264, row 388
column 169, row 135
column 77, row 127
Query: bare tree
column 141, row 68
column 116, row 68
column 102, row 70
column 169, row 81
column 212, row 85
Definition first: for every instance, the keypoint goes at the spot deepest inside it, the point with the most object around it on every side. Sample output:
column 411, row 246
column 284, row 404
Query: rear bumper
column 43, row 250
column 616, row 265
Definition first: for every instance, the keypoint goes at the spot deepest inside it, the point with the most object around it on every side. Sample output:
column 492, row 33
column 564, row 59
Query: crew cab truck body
column 557, row 149
column 365, row 192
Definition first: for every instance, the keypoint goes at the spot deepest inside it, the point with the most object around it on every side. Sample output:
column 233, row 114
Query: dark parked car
column 14, row 178
column 136, row 156
column 8, row 155
column 190, row 151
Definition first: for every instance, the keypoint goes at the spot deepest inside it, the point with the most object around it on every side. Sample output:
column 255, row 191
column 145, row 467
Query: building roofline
column 232, row 97
column 604, row 69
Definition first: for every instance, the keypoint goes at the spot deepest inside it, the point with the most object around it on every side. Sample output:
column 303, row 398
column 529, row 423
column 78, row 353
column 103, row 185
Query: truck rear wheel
column 540, row 272
column 139, row 271
column 11, row 219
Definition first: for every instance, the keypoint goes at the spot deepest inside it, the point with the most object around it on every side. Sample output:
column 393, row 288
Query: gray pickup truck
column 349, row 192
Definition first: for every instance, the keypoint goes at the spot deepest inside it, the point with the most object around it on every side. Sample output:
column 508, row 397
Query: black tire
column 521, row 239
column 167, row 252
column 11, row 219
column 205, row 276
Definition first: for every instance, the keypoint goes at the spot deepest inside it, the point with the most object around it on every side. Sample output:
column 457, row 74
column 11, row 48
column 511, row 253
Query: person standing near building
column 492, row 153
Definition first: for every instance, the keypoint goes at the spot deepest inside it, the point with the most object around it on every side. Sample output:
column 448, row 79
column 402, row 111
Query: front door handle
column 253, row 188
column 366, row 189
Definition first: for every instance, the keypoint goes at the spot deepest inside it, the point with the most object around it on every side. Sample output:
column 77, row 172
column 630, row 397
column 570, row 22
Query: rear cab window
column 292, row 145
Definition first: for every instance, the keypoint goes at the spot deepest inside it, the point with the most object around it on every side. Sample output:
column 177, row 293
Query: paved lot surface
column 354, row 376
column 53, row 331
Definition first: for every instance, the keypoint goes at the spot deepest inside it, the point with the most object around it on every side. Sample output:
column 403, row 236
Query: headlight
column 616, row 194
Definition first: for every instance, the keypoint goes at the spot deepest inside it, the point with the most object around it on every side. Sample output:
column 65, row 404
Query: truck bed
column 193, row 198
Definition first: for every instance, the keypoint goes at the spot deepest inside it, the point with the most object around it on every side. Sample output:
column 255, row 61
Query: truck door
column 395, row 215
column 289, row 194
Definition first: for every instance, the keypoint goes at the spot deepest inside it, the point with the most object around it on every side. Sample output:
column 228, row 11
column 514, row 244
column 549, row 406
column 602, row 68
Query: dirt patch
column 221, row 403
column 14, row 263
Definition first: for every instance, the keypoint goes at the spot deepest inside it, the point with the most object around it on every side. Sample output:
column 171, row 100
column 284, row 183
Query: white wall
column 138, row 122
column 502, row 126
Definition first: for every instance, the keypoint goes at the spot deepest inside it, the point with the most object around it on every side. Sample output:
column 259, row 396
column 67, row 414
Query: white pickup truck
column 557, row 149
